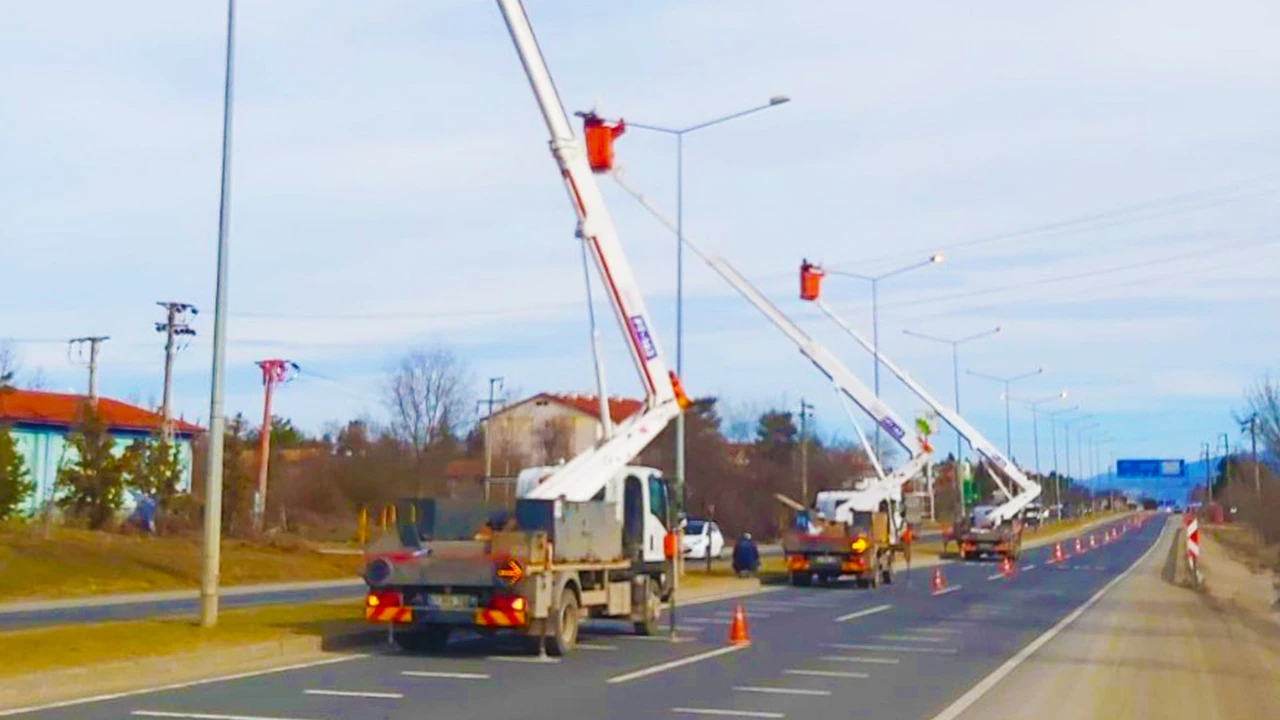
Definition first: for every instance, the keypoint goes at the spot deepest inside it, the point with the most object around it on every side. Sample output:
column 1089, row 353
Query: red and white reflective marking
column 1193, row 539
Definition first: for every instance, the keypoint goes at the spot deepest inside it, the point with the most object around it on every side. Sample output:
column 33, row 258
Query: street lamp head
column 778, row 100
column 1063, row 395
column 937, row 258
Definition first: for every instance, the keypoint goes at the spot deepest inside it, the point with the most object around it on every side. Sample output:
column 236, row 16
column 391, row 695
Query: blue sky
column 1102, row 176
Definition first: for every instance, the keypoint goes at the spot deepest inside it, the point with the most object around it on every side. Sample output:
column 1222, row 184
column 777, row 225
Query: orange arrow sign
column 510, row 572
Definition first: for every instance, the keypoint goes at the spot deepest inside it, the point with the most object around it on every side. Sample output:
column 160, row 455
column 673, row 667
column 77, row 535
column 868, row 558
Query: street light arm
column 984, row 376
column 923, row 336
column 773, row 102
column 977, row 336
column 907, row 268
column 846, row 273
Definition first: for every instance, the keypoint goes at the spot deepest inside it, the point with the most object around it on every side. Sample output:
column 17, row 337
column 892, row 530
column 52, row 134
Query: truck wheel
column 801, row 579
column 564, row 626
column 432, row 638
column 886, row 575
column 648, row 624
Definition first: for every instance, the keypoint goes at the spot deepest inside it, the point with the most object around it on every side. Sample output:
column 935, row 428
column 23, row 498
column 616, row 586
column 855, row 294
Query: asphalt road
column 900, row 652
column 134, row 607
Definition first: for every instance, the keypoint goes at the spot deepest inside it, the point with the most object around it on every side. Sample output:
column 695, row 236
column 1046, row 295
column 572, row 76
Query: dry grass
column 1244, row 545
column 72, row 563
column 28, row 651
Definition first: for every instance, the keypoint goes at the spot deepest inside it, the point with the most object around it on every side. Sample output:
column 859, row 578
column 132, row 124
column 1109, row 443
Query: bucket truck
column 588, row 538
column 854, row 532
column 993, row 530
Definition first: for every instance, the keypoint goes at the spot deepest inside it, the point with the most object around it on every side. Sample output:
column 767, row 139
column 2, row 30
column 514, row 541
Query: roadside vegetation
column 1246, row 483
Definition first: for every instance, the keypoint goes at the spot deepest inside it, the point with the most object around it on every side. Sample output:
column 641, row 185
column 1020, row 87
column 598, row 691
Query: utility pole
column 175, row 325
column 1208, row 475
column 1053, row 435
column 211, row 541
column 1253, row 439
column 1226, row 460
column 494, row 382
column 805, row 408
column 94, row 343
column 273, row 372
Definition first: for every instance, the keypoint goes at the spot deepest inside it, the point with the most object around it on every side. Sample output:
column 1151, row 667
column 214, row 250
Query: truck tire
column 886, row 573
column 432, row 638
column 564, row 625
column 801, row 579
column 648, row 625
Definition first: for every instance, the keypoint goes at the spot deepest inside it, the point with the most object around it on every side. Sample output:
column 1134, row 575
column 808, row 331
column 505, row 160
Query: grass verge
column 42, row 649
column 74, row 563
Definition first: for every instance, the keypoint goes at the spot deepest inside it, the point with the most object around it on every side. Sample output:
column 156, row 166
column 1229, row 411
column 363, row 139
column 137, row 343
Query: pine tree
column 93, row 486
column 15, row 479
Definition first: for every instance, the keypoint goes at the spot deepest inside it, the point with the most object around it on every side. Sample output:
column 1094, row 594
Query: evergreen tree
column 92, row 487
column 15, row 480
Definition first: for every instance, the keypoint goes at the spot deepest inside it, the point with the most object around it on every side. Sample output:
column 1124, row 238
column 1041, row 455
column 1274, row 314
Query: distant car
column 702, row 537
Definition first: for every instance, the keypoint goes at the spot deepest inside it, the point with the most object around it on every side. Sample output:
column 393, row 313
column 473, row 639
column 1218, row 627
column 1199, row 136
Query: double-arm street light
column 955, row 344
column 933, row 259
column 679, row 134
column 1034, row 404
column 1007, row 380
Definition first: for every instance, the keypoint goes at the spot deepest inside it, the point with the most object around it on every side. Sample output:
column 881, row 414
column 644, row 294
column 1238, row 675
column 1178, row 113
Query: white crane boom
column 587, row 473
column 822, row 358
column 1029, row 489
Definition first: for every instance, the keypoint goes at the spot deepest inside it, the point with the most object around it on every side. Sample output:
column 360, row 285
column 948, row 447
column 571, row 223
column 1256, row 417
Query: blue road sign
column 1151, row 468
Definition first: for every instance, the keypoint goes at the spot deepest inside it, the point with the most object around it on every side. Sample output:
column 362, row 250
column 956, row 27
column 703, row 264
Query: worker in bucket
column 746, row 557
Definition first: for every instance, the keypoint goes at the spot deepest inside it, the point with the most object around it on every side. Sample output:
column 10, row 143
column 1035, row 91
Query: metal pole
column 1008, row 426
column 1253, row 438
column 955, row 379
column 264, row 447
column 875, row 341
column 680, row 309
column 213, row 461
column 1035, row 437
column 165, row 411
column 804, row 453
column 1057, row 477
column 488, row 442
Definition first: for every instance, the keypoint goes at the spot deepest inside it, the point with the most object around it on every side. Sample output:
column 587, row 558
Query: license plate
column 827, row 560
column 441, row 601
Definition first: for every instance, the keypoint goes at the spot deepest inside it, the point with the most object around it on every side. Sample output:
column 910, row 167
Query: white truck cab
column 640, row 497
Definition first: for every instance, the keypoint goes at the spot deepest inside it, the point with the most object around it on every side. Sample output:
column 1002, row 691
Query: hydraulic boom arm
column 820, row 356
column 1028, row 489
column 586, row 474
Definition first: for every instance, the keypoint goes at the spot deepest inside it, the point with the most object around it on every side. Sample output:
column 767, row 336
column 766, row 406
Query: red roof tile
column 63, row 410
column 619, row 408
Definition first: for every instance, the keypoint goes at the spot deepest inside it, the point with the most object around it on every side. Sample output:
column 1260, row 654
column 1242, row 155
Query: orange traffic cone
column 1079, row 546
column 1093, row 541
column 738, row 628
column 937, row 583
column 1057, row 553
column 1006, row 566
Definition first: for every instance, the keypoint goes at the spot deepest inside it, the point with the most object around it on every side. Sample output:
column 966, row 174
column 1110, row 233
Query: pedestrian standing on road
column 746, row 556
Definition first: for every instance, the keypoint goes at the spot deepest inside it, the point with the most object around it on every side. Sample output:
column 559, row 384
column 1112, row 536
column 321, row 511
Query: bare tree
column 1264, row 405
column 9, row 364
column 37, row 380
column 425, row 392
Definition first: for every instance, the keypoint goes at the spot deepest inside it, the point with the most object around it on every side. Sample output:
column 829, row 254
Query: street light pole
column 679, row 134
column 1053, row 436
column 934, row 259
column 211, row 555
column 1007, row 380
column 955, row 344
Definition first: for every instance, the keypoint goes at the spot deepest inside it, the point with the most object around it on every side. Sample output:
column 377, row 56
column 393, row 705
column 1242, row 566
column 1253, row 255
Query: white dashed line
column 863, row 613
column 592, row 646
column 997, row 576
column 523, row 659
column 910, row 638
column 945, row 591
column 1028, row 567
column 653, row 670
column 827, row 673
column 445, row 675
column 861, row 659
column 780, row 690
column 355, row 694
column 727, row 713
column 893, row 648
column 202, row 716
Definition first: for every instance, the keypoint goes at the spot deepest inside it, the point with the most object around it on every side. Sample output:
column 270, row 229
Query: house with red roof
column 550, row 427
column 41, row 422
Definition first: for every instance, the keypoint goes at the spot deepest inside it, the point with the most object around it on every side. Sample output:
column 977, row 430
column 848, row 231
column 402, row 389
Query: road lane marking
column 651, row 638
column 951, row 589
column 523, row 659
column 892, row 648
column 997, row 576
column 827, row 673
column 662, row 667
column 863, row 613
column 779, row 690
column 1028, row 567
column 964, row 702
column 356, row 694
column 699, row 621
column 861, row 659
column 728, row 615
column 181, row 685
column 592, row 646
column 445, row 675
column 940, row 630
column 202, row 715
column 911, row 638
column 727, row 713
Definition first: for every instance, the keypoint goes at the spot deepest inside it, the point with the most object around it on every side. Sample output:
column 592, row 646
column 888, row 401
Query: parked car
column 702, row 537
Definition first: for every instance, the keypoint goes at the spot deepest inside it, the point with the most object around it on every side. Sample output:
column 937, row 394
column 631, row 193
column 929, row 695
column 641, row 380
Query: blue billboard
column 1151, row 468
